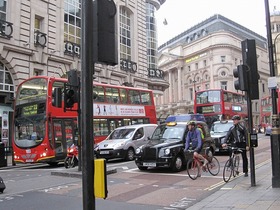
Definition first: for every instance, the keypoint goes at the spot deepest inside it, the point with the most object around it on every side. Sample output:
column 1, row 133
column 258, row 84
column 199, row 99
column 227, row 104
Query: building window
column 3, row 8
column 37, row 23
column 223, row 58
column 256, row 107
column 189, row 68
column 207, row 86
column 224, row 85
column 196, row 65
column 205, row 63
column 72, row 21
column 151, row 36
column 191, row 94
column 235, row 61
column 263, row 88
column 125, row 34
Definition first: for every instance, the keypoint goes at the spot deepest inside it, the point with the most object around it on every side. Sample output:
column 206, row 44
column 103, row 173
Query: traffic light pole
column 250, row 129
column 87, row 71
column 275, row 134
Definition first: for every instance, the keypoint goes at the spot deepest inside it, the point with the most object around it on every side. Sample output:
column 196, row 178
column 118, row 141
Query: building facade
column 41, row 37
column 203, row 57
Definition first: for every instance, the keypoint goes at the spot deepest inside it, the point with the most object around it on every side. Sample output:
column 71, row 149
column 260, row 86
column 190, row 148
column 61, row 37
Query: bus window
column 99, row 94
column 123, row 95
column 112, row 95
column 134, row 96
column 145, row 98
column 100, row 127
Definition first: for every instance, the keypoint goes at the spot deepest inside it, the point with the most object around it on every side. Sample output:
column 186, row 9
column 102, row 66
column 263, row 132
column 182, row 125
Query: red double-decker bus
column 42, row 132
column 219, row 104
column 266, row 110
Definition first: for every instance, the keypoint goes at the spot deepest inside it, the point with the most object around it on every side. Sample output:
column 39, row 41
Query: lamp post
column 275, row 52
column 194, row 81
column 275, row 134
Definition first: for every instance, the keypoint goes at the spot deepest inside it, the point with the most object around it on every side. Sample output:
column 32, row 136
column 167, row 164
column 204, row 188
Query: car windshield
column 125, row 133
column 168, row 132
column 221, row 127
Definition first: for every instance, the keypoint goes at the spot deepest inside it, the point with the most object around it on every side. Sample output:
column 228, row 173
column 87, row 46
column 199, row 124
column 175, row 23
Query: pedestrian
column 237, row 136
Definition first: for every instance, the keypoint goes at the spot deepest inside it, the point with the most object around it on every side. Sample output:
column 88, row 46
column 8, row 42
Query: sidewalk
column 239, row 194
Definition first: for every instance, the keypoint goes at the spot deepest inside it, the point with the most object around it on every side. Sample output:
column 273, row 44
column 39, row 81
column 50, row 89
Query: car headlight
column 167, row 151
column 138, row 151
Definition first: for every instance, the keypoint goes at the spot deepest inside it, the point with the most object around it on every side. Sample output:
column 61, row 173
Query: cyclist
column 237, row 136
column 194, row 137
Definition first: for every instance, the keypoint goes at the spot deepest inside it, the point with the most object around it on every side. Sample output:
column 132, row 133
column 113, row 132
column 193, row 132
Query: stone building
column 203, row 57
column 40, row 37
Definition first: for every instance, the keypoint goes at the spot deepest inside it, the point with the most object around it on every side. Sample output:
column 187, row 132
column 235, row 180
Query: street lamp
column 194, row 85
column 275, row 53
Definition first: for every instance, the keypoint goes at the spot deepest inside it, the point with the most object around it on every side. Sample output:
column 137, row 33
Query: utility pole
column 87, row 71
column 275, row 134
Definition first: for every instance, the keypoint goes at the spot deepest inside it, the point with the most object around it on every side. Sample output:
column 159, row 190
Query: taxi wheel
column 130, row 154
column 177, row 164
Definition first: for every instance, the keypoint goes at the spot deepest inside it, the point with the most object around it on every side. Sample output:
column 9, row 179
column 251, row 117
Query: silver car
column 123, row 141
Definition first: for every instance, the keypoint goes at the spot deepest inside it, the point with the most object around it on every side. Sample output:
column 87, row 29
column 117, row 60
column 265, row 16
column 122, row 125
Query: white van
column 123, row 141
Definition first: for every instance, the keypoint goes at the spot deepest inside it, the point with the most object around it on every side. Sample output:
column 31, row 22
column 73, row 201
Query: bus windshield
column 32, row 90
column 29, row 131
column 210, row 96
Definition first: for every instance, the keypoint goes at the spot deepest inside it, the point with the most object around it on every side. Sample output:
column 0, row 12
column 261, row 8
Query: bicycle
column 232, row 164
column 195, row 164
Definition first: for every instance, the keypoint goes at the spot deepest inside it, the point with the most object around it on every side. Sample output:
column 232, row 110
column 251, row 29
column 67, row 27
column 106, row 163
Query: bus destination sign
column 29, row 110
column 207, row 109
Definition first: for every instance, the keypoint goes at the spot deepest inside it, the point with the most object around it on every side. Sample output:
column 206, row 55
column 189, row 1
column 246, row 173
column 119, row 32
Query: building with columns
column 39, row 37
column 203, row 57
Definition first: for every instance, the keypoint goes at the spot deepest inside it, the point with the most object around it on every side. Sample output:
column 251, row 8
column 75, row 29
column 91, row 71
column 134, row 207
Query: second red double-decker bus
column 266, row 110
column 42, row 132
column 219, row 104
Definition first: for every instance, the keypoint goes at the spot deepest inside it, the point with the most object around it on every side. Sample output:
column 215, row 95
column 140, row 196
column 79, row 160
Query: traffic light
column 57, row 97
column 105, row 31
column 69, row 97
column 242, row 74
column 249, row 57
column 71, row 89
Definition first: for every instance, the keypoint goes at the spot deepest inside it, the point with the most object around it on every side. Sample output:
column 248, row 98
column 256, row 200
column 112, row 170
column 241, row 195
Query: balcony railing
column 40, row 38
column 6, row 29
column 72, row 49
column 127, row 65
column 155, row 73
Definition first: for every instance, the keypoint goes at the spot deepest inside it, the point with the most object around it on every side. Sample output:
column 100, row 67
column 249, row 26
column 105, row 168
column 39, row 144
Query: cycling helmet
column 236, row 117
column 192, row 123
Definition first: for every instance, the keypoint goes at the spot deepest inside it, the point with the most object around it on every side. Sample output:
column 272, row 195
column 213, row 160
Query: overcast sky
column 183, row 14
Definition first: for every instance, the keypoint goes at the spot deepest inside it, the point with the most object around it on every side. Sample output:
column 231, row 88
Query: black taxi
column 165, row 148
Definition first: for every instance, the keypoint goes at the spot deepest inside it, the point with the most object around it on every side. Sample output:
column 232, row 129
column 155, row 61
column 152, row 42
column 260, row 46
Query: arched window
column 6, row 81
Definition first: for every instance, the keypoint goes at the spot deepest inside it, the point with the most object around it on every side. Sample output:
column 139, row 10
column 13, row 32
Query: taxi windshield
column 165, row 132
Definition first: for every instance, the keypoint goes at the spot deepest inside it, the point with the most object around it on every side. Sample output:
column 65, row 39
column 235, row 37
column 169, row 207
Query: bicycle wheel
column 227, row 173
column 236, row 165
column 192, row 169
column 214, row 166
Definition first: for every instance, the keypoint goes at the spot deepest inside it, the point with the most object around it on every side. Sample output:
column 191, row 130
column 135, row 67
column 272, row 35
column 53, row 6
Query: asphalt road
column 129, row 189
